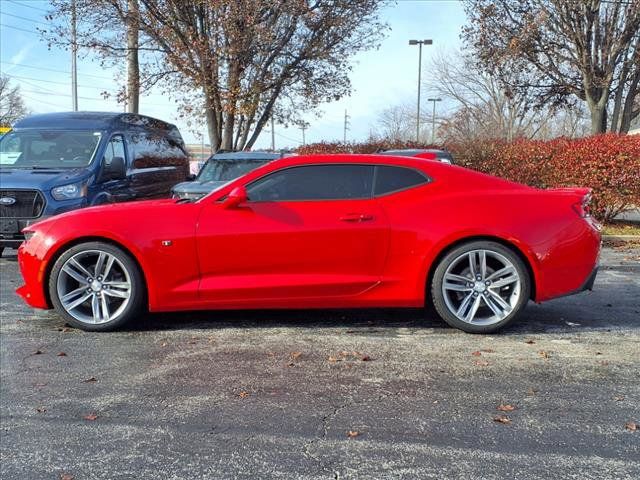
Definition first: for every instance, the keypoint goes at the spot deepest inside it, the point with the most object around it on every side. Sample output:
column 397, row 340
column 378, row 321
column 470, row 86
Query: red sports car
column 332, row 231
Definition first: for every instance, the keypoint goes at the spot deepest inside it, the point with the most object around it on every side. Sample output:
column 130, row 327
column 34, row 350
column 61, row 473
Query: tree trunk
column 133, row 67
column 627, row 111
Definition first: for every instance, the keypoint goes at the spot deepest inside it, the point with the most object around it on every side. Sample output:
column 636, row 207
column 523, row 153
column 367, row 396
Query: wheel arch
column 491, row 238
column 63, row 247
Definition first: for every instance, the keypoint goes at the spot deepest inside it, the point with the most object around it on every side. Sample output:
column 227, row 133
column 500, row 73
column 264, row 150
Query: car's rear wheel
column 480, row 286
column 96, row 286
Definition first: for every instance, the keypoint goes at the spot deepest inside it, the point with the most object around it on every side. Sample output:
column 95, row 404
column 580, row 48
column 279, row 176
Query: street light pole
column 74, row 54
column 433, row 119
column 419, row 43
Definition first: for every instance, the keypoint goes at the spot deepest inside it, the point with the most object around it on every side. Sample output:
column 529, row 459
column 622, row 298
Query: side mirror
column 237, row 196
column 114, row 169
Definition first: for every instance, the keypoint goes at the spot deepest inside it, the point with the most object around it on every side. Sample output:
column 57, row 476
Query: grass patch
column 621, row 228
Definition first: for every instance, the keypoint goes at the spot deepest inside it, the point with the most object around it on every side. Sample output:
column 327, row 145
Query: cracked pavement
column 268, row 394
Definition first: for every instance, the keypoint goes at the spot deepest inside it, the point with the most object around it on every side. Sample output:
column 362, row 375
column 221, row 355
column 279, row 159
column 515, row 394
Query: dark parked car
column 220, row 169
column 428, row 153
column 57, row 162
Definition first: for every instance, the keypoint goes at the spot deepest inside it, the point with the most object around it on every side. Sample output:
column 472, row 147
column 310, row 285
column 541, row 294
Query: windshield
column 48, row 148
column 225, row 170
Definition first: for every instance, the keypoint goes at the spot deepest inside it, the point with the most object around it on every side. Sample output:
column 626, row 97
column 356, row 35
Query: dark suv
column 56, row 162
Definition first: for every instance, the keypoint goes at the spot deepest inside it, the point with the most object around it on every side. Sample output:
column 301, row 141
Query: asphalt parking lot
column 327, row 394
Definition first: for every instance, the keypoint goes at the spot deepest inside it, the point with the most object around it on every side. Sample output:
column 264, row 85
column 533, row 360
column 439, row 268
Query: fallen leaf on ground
column 543, row 354
column 598, row 353
column 41, row 409
column 295, row 355
column 476, row 353
column 332, row 359
column 66, row 476
column 481, row 363
column 38, row 352
column 506, row 407
column 618, row 398
column 352, row 433
column 631, row 426
column 502, row 419
column 243, row 394
column 164, row 344
column 62, row 354
column 530, row 342
column 91, row 417
column 366, row 358
column 90, row 379
column 532, row 391
column 488, row 350
column 40, row 385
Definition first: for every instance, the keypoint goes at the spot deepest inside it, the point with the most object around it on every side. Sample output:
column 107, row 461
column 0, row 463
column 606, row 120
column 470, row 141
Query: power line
column 28, row 6
column 17, row 28
column 53, row 70
column 56, row 82
column 24, row 18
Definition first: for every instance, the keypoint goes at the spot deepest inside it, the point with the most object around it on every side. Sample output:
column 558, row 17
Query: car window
column 314, row 182
column 392, row 178
column 155, row 149
column 225, row 170
column 115, row 148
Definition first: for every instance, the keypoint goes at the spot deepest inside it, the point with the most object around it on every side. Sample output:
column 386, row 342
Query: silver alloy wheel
column 481, row 287
column 94, row 286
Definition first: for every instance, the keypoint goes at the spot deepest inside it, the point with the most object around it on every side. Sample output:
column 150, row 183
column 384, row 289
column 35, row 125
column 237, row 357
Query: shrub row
column 609, row 164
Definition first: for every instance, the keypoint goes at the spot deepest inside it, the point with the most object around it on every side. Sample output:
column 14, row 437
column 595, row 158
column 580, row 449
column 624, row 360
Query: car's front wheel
column 480, row 287
column 96, row 286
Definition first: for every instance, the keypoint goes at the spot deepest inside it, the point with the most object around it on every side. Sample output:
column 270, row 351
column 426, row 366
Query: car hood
column 40, row 179
column 197, row 187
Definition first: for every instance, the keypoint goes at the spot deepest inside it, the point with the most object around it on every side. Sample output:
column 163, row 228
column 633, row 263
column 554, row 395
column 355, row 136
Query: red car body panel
column 308, row 254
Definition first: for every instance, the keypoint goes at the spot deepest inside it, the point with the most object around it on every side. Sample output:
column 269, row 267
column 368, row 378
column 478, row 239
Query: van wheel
column 96, row 286
column 480, row 287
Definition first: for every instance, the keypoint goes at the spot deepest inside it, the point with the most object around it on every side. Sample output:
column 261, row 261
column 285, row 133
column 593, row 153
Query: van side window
column 153, row 149
column 115, row 148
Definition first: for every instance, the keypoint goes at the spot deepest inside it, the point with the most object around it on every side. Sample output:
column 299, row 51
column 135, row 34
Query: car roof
column 246, row 156
column 93, row 121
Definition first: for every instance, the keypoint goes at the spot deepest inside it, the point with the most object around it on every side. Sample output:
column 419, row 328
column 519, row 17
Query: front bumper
column 11, row 234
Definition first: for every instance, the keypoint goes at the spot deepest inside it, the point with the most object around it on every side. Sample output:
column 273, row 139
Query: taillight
column 583, row 208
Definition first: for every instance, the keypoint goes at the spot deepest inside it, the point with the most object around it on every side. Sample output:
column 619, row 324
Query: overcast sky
column 380, row 78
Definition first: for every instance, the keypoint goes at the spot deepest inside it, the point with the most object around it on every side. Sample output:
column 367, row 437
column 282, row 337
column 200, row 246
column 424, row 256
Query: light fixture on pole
column 433, row 118
column 419, row 43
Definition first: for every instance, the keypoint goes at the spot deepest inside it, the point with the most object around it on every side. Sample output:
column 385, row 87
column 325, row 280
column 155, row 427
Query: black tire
column 1, row 250
column 137, row 292
column 443, row 305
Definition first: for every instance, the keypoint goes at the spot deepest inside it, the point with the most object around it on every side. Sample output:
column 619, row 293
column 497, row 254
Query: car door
column 305, row 234
column 111, row 190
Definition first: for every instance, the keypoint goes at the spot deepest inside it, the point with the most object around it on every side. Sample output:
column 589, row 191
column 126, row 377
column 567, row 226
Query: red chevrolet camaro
column 333, row 231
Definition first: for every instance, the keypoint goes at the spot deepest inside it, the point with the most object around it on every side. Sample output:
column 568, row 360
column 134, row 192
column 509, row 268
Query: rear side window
column 155, row 149
column 314, row 182
column 392, row 179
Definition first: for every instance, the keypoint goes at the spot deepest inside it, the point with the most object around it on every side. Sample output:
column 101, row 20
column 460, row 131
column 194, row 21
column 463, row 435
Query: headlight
column 28, row 234
column 67, row 192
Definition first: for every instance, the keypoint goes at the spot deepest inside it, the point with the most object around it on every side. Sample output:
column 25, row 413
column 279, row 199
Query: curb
column 621, row 238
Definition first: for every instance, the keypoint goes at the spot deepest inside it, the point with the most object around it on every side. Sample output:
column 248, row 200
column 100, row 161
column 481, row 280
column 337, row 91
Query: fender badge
column 167, row 243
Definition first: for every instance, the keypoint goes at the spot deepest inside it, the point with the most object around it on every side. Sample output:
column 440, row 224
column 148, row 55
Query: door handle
column 356, row 217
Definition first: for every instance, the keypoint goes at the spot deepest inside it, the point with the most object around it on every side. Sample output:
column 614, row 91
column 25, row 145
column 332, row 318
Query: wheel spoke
column 457, row 283
column 72, row 270
column 106, row 315
column 107, row 267
column 509, row 269
column 95, row 308
column 100, row 263
column 472, row 264
column 112, row 292
column 503, row 282
column 497, row 304
column 464, row 306
column 483, row 263
column 73, row 294
column 71, row 305
column 472, row 311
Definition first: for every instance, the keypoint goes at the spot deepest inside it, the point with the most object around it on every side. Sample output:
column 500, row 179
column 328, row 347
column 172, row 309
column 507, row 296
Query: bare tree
column 585, row 49
column 250, row 59
column 12, row 107
column 482, row 106
column 398, row 122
